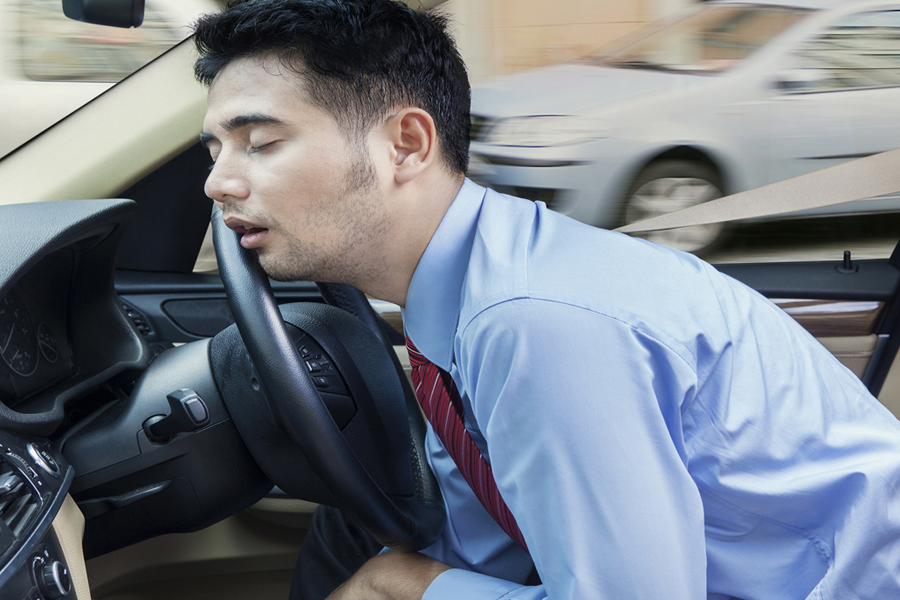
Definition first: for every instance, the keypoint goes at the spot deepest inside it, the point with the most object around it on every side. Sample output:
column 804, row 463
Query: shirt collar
column 433, row 298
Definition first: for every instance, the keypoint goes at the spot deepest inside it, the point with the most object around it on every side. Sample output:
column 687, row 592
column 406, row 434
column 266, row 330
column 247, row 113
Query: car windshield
column 713, row 39
column 51, row 65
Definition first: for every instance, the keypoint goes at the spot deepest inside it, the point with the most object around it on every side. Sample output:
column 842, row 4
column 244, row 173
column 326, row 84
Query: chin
column 283, row 273
column 302, row 262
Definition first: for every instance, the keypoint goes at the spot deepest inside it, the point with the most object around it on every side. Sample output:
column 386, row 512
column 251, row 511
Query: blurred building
column 502, row 36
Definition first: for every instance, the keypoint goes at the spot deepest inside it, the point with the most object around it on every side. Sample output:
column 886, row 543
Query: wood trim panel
column 833, row 318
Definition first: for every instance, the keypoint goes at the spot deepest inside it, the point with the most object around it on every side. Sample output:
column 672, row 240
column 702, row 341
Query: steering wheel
column 405, row 522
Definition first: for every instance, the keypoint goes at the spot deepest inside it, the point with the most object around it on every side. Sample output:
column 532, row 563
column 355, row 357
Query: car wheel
column 669, row 185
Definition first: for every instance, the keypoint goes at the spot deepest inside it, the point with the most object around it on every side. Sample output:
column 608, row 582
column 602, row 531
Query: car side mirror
column 115, row 13
column 800, row 80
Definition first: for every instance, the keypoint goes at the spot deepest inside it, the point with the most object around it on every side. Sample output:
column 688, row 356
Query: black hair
column 358, row 59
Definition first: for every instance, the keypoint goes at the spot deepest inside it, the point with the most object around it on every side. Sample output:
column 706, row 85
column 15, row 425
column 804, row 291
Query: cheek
column 313, row 174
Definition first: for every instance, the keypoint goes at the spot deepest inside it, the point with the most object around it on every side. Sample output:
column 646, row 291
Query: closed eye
column 255, row 149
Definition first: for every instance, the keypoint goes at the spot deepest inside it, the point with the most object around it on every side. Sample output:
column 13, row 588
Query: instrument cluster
column 34, row 347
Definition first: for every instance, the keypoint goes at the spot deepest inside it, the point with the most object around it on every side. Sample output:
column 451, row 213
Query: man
column 650, row 427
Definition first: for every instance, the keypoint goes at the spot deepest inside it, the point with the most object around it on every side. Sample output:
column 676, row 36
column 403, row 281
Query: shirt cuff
column 458, row 583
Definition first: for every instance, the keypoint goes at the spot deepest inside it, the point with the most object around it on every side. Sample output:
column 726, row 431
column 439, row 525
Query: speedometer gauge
column 18, row 338
column 47, row 343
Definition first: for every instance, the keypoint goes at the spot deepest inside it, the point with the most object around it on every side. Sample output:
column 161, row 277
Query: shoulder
column 541, row 329
column 533, row 270
column 521, row 249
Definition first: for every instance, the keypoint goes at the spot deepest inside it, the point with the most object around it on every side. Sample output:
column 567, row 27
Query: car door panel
column 890, row 390
column 184, row 307
column 851, row 309
column 855, row 352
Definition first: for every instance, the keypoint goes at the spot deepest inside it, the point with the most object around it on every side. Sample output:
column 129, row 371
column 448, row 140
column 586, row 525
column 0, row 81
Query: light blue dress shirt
column 657, row 429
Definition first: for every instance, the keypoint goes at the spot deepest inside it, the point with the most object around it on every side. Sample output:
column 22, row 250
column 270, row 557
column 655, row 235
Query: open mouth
column 251, row 237
column 245, row 230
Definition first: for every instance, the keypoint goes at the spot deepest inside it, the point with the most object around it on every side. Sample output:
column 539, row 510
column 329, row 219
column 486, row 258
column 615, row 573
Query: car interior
column 167, row 433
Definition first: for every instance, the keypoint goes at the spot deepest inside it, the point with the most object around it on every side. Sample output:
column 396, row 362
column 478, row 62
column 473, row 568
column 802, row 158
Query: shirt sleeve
column 581, row 414
column 458, row 583
column 471, row 539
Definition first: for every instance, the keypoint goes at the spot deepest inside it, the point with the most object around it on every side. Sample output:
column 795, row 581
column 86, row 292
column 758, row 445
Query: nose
column 226, row 180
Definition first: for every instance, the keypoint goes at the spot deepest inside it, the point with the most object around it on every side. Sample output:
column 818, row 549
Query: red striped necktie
column 442, row 405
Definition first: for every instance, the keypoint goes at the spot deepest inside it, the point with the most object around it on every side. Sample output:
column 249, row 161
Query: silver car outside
column 639, row 130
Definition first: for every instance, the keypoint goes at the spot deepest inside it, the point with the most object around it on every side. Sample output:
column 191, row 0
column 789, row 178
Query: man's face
column 286, row 177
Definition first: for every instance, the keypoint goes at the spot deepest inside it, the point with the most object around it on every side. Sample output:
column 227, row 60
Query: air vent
column 19, row 504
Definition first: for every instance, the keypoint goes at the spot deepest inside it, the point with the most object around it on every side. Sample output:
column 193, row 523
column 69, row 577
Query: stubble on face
column 314, row 187
column 357, row 211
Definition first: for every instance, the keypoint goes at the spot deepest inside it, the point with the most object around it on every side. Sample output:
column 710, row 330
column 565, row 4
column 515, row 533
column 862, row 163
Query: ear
column 413, row 143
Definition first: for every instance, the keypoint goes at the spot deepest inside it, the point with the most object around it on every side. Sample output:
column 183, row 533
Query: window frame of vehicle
column 824, row 79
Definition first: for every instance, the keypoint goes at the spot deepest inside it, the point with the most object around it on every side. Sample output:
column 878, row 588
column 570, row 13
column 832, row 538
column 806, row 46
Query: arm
column 391, row 576
column 580, row 436
column 581, row 414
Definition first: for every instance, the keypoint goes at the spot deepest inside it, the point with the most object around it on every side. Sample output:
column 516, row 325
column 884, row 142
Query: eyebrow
column 238, row 122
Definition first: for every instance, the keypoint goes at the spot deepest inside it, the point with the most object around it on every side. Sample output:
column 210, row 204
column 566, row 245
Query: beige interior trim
column 890, row 391
column 69, row 529
column 403, row 355
column 394, row 319
column 248, row 555
column 854, row 352
column 289, row 512
column 114, row 140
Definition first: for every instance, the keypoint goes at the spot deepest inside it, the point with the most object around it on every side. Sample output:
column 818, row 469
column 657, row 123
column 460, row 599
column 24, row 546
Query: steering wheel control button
column 43, row 459
column 188, row 413
column 318, row 364
column 139, row 320
column 53, row 580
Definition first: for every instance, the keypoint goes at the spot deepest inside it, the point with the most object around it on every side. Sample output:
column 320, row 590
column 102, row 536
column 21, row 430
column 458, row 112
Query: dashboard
column 62, row 334
column 89, row 410
column 62, row 329
column 34, row 480
column 34, row 344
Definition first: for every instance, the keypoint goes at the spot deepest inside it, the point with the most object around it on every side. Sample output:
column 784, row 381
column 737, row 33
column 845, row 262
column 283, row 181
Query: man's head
column 360, row 60
column 339, row 134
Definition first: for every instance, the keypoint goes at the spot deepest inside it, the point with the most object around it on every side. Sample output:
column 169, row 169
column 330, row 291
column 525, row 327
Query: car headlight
column 549, row 130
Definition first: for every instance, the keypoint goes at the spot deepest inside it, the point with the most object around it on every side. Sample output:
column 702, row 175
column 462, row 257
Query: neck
column 417, row 209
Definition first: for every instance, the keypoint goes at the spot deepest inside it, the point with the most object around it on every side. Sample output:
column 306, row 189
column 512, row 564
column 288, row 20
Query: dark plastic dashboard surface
column 64, row 332
column 34, row 342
